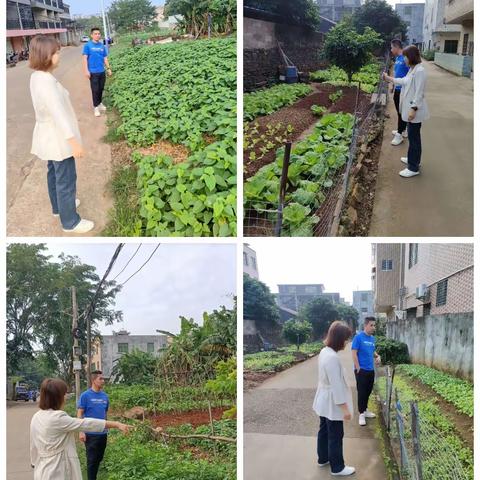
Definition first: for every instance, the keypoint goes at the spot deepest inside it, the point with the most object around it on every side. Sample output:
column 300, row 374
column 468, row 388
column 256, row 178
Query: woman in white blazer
column 333, row 401
column 56, row 136
column 53, row 453
column 413, row 107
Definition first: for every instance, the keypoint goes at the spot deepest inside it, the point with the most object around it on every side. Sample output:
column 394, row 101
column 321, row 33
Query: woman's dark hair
column 413, row 55
column 52, row 393
column 396, row 43
column 338, row 334
column 41, row 50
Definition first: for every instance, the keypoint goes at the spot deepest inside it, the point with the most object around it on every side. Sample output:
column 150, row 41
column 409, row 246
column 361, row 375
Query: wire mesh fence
column 267, row 216
column 421, row 451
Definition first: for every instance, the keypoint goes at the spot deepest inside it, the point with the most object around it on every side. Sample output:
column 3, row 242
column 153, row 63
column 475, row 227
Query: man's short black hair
column 369, row 319
column 94, row 29
column 95, row 374
column 397, row 43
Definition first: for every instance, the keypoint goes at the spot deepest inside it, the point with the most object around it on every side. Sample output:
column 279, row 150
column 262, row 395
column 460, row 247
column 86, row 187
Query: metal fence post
column 283, row 188
column 389, row 396
column 416, row 439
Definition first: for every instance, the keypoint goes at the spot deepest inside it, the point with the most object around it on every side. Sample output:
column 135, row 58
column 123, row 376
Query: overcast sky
column 93, row 7
column 341, row 265
column 180, row 279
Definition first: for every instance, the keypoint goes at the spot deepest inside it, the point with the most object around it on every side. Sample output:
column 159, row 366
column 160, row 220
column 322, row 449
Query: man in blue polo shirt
column 94, row 403
column 95, row 59
column 400, row 69
column 364, row 359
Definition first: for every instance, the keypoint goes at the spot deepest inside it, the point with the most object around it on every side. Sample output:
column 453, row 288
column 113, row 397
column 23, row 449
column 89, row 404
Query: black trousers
column 396, row 100
column 330, row 444
column 414, row 146
column 365, row 380
column 97, row 84
column 95, row 446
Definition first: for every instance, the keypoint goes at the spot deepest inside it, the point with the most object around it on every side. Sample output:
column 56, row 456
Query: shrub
column 429, row 55
column 392, row 351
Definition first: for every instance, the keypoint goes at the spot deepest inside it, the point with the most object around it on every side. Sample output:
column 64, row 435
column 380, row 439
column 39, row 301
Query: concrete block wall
column 444, row 342
column 458, row 64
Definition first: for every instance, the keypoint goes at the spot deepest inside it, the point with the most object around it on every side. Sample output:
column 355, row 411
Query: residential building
column 334, row 297
column 386, row 277
column 169, row 22
column 106, row 352
column 438, row 35
column 27, row 18
column 294, row 297
column 412, row 15
column 250, row 266
column 335, row 10
column 363, row 303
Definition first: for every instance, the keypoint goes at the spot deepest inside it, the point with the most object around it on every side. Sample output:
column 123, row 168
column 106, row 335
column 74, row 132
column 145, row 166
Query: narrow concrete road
column 19, row 415
column 280, row 430
column 438, row 202
column 28, row 206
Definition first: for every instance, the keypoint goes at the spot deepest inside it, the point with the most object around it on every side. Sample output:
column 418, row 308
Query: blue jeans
column 62, row 189
column 330, row 444
column 414, row 146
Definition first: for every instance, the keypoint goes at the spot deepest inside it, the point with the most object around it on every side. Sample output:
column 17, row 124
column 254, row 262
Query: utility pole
column 89, row 351
column 105, row 30
column 77, row 364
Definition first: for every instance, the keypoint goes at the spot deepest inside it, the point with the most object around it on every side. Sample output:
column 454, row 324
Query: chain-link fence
column 266, row 217
column 421, row 451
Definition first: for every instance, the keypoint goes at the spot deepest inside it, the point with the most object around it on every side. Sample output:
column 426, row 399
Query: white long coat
column 55, row 118
column 413, row 94
column 53, row 452
column 332, row 390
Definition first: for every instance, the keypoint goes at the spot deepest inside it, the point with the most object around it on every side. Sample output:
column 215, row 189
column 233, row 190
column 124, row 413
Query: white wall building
column 250, row 266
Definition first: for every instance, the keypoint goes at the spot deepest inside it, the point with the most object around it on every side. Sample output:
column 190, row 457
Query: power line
column 131, row 258
column 148, row 259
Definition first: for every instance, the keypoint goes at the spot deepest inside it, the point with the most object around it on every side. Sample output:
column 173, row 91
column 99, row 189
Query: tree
column 131, row 14
column 297, row 332
column 39, row 306
column 258, row 302
column 348, row 49
column 300, row 12
column 380, row 16
column 135, row 367
column 86, row 24
column 348, row 314
column 320, row 313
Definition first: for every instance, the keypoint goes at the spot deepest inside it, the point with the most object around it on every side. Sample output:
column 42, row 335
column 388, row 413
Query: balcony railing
column 24, row 25
column 52, row 25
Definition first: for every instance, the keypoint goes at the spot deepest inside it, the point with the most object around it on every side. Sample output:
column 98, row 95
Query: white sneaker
column 102, row 107
column 361, row 420
column 404, row 160
column 83, row 226
column 397, row 139
column 323, row 464
column 346, row 471
column 369, row 414
column 406, row 173
column 77, row 204
column 96, row 111
column 404, row 133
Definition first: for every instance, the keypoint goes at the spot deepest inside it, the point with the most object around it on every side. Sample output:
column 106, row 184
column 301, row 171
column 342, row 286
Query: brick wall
column 261, row 56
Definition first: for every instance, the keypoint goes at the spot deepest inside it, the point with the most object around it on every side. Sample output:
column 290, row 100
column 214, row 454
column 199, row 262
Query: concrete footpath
column 19, row 415
column 28, row 205
column 439, row 201
column 280, row 430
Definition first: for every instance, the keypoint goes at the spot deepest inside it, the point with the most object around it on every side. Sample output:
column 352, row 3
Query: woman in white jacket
column 53, row 453
column 333, row 401
column 56, row 136
column 413, row 107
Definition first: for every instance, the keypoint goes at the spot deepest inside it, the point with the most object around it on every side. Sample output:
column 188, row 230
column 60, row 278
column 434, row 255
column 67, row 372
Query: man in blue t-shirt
column 364, row 359
column 94, row 403
column 400, row 69
column 95, row 59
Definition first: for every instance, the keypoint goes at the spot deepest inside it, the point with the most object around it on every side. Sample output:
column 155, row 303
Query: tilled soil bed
column 193, row 417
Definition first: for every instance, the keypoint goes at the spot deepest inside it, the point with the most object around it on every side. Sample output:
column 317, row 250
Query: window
column 245, row 259
column 465, row 44
column 311, row 290
column 123, row 348
column 442, row 288
column 451, row 46
column 407, row 11
column 150, row 347
column 412, row 254
column 254, row 263
column 387, row 265
column 364, row 310
column 364, row 297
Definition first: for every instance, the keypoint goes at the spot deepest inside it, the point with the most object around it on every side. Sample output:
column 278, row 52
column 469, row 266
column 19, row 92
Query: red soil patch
column 193, row 417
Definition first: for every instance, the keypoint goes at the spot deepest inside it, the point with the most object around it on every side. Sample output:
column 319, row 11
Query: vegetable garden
column 323, row 121
column 176, row 106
